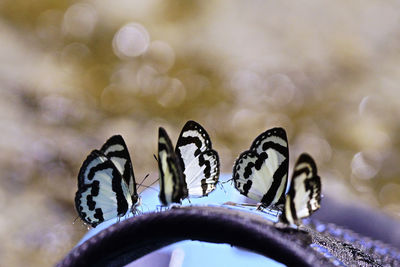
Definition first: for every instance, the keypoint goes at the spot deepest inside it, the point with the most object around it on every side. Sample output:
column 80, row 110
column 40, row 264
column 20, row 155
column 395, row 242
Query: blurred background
column 73, row 73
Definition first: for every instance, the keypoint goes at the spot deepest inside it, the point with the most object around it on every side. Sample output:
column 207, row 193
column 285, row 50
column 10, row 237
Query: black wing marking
column 102, row 194
column 116, row 150
column 260, row 177
column 199, row 162
column 193, row 132
column 304, row 196
column 275, row 138
column 261, row 172
column 172, row 187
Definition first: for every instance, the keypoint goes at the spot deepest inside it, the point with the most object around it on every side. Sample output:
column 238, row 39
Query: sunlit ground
column 72, row 75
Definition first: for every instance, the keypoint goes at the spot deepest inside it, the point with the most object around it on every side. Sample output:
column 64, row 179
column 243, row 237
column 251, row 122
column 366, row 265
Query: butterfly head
column 136, row 200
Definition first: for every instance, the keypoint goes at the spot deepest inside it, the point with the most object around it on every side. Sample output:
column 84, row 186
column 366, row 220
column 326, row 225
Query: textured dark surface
column 349, row 248
column 360, row 218
column 314, row 244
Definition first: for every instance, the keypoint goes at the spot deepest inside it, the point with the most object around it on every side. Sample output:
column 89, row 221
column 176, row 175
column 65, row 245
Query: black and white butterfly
column 260, row 173
column 106, row 184
column 304, row 196
column 192, row 170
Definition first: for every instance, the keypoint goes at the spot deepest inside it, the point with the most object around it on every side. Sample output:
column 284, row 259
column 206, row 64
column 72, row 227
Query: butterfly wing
column 199, row 162
column 172, row 188
column 259, row 177
column 116, row 150
column 102, row 194
column 304, row 194
column 261, row 172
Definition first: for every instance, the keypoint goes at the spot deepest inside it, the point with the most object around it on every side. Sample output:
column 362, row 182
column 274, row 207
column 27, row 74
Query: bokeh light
column 80, row 20
column 131, row 40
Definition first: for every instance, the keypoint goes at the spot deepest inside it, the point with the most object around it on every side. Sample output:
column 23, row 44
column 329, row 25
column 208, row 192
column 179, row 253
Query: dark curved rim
column 124, row 242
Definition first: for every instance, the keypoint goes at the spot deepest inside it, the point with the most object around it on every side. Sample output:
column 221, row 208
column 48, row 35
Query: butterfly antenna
column 75, row 219
column 227, row 181
column 148, row 186
column 141, row 183
column 154, row 155
column 154, row 182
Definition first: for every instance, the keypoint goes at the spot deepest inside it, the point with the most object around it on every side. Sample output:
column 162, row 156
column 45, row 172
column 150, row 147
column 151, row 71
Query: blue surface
column 196, row 253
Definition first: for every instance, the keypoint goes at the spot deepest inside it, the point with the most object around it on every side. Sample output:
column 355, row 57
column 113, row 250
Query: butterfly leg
column 176, row 205
column 222, row 187
column 261, row 207
column 159, row 208
column 278, row 207
column 272, row 210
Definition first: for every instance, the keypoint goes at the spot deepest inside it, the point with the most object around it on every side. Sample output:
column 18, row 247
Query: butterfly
column 304, row 196
column 106, row 184
column 261, row 173
column 192, row 169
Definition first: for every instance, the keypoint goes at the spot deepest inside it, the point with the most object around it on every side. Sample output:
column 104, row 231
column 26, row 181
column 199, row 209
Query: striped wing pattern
column 261, row 172
column 102, row 193
column 116, row 150
column 304, row 194
column 172, row 187
column 199, row 162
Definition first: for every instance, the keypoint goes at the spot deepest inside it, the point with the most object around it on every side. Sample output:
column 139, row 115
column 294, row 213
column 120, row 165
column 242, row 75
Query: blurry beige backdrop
column 73, row 73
